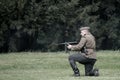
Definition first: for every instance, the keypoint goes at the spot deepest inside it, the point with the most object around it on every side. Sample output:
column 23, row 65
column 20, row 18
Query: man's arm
column 79, row 45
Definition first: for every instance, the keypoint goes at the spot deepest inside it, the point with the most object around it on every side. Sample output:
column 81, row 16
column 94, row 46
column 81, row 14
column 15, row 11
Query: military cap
column 84, row 28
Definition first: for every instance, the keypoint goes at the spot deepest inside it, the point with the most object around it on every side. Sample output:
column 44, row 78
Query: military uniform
column 87, row 58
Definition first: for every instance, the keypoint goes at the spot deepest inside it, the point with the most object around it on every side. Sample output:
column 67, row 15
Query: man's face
column 83, row 32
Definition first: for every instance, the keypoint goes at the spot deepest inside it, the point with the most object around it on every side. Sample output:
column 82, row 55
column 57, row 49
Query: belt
column 89, row 48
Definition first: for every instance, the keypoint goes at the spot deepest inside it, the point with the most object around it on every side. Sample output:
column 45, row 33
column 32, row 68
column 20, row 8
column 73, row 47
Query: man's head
column 84, row 30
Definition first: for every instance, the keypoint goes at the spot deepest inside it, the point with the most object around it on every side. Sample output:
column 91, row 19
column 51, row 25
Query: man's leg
column 89, row 71
column 76, row 58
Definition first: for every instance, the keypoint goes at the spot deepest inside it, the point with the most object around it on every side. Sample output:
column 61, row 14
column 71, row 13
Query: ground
column 55, row 66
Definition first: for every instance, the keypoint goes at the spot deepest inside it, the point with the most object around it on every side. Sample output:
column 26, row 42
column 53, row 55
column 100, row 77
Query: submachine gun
column 66, row 44
column 83, row 50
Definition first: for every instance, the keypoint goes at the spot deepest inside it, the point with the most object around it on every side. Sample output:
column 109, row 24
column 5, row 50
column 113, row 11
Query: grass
column 55, row 66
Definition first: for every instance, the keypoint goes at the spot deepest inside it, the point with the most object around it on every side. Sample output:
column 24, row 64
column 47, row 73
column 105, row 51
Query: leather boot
column 96, row 72
column 76, row 73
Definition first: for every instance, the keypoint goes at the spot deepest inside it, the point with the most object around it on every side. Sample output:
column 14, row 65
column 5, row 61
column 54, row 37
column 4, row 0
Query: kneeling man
column 86, row 56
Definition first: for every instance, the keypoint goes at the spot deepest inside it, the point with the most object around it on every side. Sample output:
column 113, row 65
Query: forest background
column 38, row 25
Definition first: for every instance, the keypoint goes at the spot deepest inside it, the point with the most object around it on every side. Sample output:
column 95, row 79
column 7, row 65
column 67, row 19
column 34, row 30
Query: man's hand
column 69, row 46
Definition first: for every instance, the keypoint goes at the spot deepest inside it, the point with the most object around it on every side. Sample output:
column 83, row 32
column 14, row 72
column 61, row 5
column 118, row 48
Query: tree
column 40, row 24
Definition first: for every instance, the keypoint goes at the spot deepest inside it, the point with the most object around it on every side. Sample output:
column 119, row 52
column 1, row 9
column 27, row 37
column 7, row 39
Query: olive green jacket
column 87, row 41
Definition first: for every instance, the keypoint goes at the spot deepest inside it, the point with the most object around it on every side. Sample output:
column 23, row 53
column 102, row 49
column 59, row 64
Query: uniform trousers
column 87, row 62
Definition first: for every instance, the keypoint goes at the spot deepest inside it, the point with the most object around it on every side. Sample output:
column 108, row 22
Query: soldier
column 86, row 57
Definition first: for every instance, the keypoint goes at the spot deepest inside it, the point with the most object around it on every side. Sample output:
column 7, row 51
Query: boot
column 76, row 73
column 96, row 72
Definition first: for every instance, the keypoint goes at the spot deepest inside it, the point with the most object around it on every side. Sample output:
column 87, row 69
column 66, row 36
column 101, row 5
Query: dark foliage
column 30, row 25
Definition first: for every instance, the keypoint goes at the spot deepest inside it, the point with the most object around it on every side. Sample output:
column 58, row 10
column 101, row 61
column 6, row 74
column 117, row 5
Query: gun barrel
column 68, row 42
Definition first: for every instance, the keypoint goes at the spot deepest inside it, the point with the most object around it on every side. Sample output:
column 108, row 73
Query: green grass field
column 55, row 66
